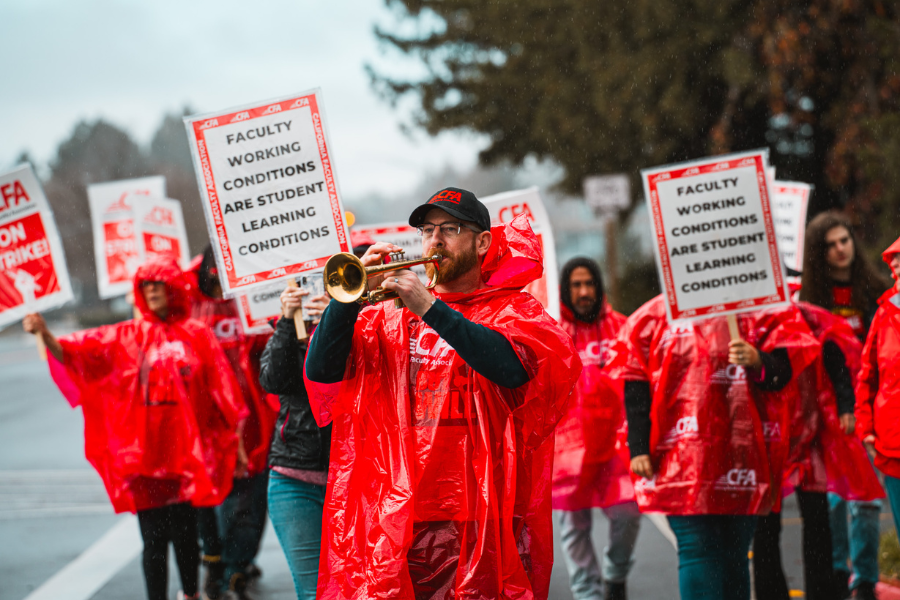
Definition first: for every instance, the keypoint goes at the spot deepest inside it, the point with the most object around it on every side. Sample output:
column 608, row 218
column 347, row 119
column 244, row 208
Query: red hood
column 888, row 254
column 514, row 260
column 178, row 289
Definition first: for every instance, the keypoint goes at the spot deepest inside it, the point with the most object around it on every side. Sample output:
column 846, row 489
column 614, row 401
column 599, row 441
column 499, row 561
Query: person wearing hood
column 590, row 465
column 231, row 533
column 878, row 386
column 161, row 416
column 443, row 414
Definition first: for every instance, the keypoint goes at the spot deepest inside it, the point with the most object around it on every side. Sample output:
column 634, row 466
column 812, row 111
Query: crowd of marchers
column 419, row 450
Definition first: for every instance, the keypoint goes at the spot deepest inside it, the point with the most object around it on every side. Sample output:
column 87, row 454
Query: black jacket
column 298, row 442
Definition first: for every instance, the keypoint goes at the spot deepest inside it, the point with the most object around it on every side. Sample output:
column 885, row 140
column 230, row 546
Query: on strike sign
column 270, row 194
column 715, row 238
column 790, row 199
column 33, row 275
column 160, row 229
column 116, row 247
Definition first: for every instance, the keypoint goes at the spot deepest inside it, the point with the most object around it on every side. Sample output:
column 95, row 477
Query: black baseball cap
column 457, row 202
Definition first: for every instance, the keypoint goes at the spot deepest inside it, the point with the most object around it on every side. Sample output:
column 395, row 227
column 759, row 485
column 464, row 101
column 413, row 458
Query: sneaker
column 253, row 572
column 237, row 588
column 615, row 591
column 213, row 580
column 864, row 591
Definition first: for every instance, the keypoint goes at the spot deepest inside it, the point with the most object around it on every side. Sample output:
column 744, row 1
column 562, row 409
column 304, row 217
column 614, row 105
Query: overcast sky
column 131, row 61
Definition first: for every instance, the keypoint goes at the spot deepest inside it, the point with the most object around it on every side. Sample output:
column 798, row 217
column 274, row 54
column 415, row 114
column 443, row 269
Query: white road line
column 662, row 524
column 84, row 576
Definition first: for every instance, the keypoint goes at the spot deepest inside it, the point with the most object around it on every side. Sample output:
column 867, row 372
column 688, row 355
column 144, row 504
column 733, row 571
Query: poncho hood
column 178, row 290
column 888, row 254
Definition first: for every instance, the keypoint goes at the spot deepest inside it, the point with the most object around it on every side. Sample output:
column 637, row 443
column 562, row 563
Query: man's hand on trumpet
column 410, row 289
column 374, row 256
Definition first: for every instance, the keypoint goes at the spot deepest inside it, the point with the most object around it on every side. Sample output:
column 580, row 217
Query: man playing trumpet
column 443, row 415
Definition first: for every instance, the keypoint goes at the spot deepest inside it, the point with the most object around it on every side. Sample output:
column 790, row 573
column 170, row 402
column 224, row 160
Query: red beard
column 451, row 266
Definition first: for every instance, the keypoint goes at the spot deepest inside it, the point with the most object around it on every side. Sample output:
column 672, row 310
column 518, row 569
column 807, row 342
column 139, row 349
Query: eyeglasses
column 450, row 229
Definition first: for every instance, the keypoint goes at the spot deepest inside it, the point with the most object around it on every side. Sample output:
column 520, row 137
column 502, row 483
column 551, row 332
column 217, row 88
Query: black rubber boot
column 213, row 581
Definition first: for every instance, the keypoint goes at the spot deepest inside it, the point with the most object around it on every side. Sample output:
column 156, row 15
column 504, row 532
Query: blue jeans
column 892, row 487
column 713, row 561
column 861, row 545
column 581, row 559
column 234, row 529
column 295, row 508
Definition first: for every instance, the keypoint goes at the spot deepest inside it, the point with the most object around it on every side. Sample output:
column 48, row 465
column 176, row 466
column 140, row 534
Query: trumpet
column 347, row 280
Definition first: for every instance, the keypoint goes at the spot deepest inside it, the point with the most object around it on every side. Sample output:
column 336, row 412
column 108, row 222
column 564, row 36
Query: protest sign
column 33, row 275
column 790, row 199
column 399, row 234
column 716, row 248
column 607, row 194
column 260, row 305
column 269, row 191
column 508, row 205
column 160, row 230
column 116, row 249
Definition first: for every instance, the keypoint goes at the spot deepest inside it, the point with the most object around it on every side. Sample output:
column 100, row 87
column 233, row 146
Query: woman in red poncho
column 699, row 406
column 878, row 386
column 160, row 416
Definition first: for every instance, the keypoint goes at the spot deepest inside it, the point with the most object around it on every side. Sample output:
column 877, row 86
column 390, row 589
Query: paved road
column 53, row 510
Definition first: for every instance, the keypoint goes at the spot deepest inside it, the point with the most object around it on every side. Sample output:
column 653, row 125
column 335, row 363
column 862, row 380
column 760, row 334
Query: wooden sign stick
column 733, row 327
column 299, row 325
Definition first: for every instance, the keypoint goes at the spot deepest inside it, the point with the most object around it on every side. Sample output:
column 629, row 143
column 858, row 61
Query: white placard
column 260, row 305
column 607, row 193
column 508, row 205
column 160, row 230
column 116, row 248
column 399, row 234
column 790, row 201
column 716, row 249
column 269, row 191
column 33, row 274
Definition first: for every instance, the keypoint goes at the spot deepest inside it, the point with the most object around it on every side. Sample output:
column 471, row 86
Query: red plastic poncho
column 822, row 457
column 591, row 462
column 710, row 427
column 455, row 479
column 158, row 399
column 243, row 352
column 878, row 385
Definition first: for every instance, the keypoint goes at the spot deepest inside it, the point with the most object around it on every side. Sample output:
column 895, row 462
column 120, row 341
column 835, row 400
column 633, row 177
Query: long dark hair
column 867, row 284
column 565, row 294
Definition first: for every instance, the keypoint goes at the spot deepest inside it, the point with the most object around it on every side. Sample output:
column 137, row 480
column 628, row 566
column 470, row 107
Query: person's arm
column 279, row 371
column 774, row 371
column 34, row 323
column 329, row 348
column 836, row 368
column 867, row 384
column 487, row 351
column 638, row 402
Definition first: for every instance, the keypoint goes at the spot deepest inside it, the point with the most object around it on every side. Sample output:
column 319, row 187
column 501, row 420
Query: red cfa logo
column 160, row 216
column 447, row 196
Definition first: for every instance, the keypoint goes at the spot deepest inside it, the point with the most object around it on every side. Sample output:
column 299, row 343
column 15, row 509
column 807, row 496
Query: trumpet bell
column 346, row 279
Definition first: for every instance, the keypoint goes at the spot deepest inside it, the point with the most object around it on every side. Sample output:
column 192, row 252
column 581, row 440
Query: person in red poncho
column 822, row 458
column 591, row 463
column 838, row 277
column 878, row 386
column 699, row 406
column 161, row 414
column 231, row 533
column 443, row 416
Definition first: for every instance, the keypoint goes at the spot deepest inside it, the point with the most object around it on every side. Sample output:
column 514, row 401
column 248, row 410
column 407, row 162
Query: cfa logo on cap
column 446, row 196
